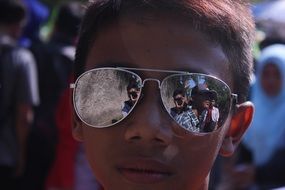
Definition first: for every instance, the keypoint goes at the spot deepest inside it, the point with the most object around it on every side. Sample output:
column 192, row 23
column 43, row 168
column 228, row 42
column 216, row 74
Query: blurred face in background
column 271, row 79
column 16, row 29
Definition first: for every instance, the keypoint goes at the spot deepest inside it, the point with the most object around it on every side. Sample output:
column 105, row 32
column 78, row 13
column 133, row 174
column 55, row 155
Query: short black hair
column 12, row 11
column 206, row 93
column 178, row 91
column 69, row 17
column 226, row 22
column 132, row 85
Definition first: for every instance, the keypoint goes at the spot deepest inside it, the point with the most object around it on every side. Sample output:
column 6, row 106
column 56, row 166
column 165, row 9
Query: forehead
column 157, row 42
column 271, row 66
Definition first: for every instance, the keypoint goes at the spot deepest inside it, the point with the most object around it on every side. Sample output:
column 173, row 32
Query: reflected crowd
column 197, row 114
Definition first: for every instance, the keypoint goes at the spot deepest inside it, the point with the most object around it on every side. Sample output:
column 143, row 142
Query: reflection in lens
column 133, row 91
column 105, row 96
column 200, row 108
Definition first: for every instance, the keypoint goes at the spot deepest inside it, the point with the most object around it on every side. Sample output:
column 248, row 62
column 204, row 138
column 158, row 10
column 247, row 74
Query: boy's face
column 142, row 152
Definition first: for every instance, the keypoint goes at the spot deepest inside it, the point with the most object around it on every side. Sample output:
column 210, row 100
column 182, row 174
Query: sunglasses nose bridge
column 151, row 79
column 153, row 126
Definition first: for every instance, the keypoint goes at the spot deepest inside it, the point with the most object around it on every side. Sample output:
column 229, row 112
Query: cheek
column 94, row 151
column 98, row 147
column 197, row 157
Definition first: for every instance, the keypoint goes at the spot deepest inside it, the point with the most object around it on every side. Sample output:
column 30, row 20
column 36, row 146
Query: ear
column 77, row 129
column 241, row 120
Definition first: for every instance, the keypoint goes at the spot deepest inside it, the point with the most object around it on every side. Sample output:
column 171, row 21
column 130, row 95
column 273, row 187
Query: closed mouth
column 144, row 171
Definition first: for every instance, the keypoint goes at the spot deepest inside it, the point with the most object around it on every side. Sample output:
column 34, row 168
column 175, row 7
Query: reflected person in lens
column 204, row 105
column 133, row 94
column 183, row 113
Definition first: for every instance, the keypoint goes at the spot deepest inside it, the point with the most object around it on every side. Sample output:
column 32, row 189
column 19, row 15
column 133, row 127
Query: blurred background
column 49, row 158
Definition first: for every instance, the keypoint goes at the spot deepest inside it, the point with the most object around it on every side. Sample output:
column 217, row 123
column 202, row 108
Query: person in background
column 259, row 162
column 54, row 63
column 18, row 94
column 38, row 14
column 265, row 139
column 69, row 169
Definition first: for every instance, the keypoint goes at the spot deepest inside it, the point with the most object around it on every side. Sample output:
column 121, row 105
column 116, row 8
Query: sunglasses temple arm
column 234, row 99
column 72, row 85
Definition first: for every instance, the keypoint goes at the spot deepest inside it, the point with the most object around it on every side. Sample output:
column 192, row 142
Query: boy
column 161, row 45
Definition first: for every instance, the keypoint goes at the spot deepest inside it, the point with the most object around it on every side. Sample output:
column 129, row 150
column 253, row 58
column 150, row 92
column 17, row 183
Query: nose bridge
column 151, row 79
column 152, row 110
column 150, row 104
column 151, row 121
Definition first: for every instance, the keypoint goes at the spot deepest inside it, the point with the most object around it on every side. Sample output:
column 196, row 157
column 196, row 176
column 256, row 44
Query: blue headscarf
column 267, row 132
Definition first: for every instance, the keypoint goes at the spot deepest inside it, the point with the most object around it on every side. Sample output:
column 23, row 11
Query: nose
column 149, row 123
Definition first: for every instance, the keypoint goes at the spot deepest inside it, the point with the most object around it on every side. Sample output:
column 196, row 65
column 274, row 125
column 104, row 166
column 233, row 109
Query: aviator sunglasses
column 103, row 97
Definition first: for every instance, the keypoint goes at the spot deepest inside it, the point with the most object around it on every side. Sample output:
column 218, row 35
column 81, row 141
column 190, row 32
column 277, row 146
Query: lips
column 145, row 171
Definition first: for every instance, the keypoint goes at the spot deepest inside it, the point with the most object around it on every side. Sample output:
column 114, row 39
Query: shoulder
column 215, row 109
column 125, row 104
column 22, row 55
column 22, row 58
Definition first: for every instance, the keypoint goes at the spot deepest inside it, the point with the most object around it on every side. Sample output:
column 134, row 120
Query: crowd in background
column 37, row 151
column 259, row 161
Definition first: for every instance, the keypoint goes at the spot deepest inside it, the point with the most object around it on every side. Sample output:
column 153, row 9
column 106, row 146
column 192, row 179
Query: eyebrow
column 135, row 67
column 116, row 64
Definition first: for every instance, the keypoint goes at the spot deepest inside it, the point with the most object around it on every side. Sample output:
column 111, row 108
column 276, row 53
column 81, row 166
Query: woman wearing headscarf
column 266, row 136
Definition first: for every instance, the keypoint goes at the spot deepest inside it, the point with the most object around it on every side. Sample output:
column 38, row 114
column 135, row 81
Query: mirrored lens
column 105, row 96
column 198, row 103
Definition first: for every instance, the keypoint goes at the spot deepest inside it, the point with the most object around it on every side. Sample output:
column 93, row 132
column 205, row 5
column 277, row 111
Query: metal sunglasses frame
column 142, row 82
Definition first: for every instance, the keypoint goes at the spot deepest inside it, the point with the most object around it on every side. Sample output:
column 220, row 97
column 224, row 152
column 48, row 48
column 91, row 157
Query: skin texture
column 146, row 134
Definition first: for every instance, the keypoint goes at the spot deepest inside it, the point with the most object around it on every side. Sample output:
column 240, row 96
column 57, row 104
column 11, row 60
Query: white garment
column 215, row 114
